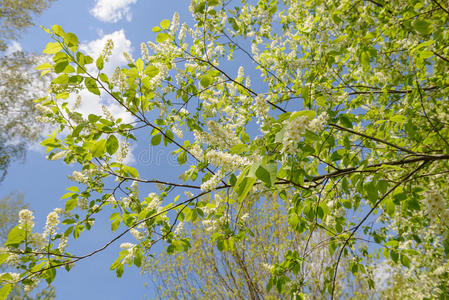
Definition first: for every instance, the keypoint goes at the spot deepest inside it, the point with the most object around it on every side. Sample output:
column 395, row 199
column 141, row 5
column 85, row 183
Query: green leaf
column 308, row 113
column 161, row 37
column 44, row 66
column 165, row 24
column 15, row 236
column 98, row 148
column 5, row 291
column 405, row 261
column 267, row 173
column 245, row 186
column 206, row 81
column 156, row 29
column 394, row 255
column 119, row 270
column 100, row 62
column 131, row 171
column 58, row 30
column 422, row 26
column 71, row 204
column 52, row 48
column 3, row 257
column 61, row 79
column 156, row 140
column 112, row 144
column 91, row 86
column 182, row 158
column 139, row 65
column 93, row 118
column 345, row 121
column 151, row 71
column 71, row 41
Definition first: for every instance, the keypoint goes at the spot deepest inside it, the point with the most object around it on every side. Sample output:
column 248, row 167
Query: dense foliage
column 338, row 114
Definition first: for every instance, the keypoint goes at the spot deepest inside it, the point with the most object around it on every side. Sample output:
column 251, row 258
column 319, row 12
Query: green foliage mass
column 345, row 128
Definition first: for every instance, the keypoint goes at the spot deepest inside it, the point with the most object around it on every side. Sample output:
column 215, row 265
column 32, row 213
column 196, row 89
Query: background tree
column 204, row 272
column 19, row 83
column 16, row 16
column 347, row 127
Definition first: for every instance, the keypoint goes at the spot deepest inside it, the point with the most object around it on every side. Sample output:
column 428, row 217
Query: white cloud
column 90, row 103
column 121, row 44
column 13, row 47
column 112, row 10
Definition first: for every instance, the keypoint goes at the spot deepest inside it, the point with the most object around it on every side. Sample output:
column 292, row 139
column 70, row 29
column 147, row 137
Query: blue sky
column 128, row 23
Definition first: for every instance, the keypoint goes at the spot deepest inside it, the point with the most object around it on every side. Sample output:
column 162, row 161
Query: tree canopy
column 334, row 110
column 19, row 84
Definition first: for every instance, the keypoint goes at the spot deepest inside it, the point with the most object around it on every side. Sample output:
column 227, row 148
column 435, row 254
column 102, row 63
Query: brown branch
column 373, row 138
column 440, row 6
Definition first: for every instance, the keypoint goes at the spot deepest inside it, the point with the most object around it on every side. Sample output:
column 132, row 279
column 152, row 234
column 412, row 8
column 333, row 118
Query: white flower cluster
column 52, row 222
column 213, row 182
column 294, row 131
column 220, row 136
column 154, row 202
column 15, row 277
column 78, row 177
column 319, row 122
column 26, row 219
column 123, row 152
column 107, row 50
column 177, row 131
column 144, row 52
column 137, row 234
column 434, row 202
column 228, row 162
column 127, row 246
column 58, row 155
column 43, row 109
column 83, row 203
column 297, row 127
column 130, row 248
column 197, row 152
column 211, row 225
column 62, row 244
column 260, row 106
column 178, row 230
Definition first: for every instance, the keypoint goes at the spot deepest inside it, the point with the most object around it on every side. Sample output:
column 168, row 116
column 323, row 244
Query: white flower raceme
column 197, row 152
column 228, row 162
column 244, row 217
column 434, row 202
column 43, row 109
column 211, row 225
column 260, row 106
column 137, row 234
column 127, row 246
column 213, row 182
column 297, row 127
column 52, row 223
column 153, row 200
column 268, row 267
column 78, row 177
column 319, row 122
column 220, row 136
column 26, row 219
column 107, row 50
column 62, row 244
column 144, row 51
column 178, row 230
